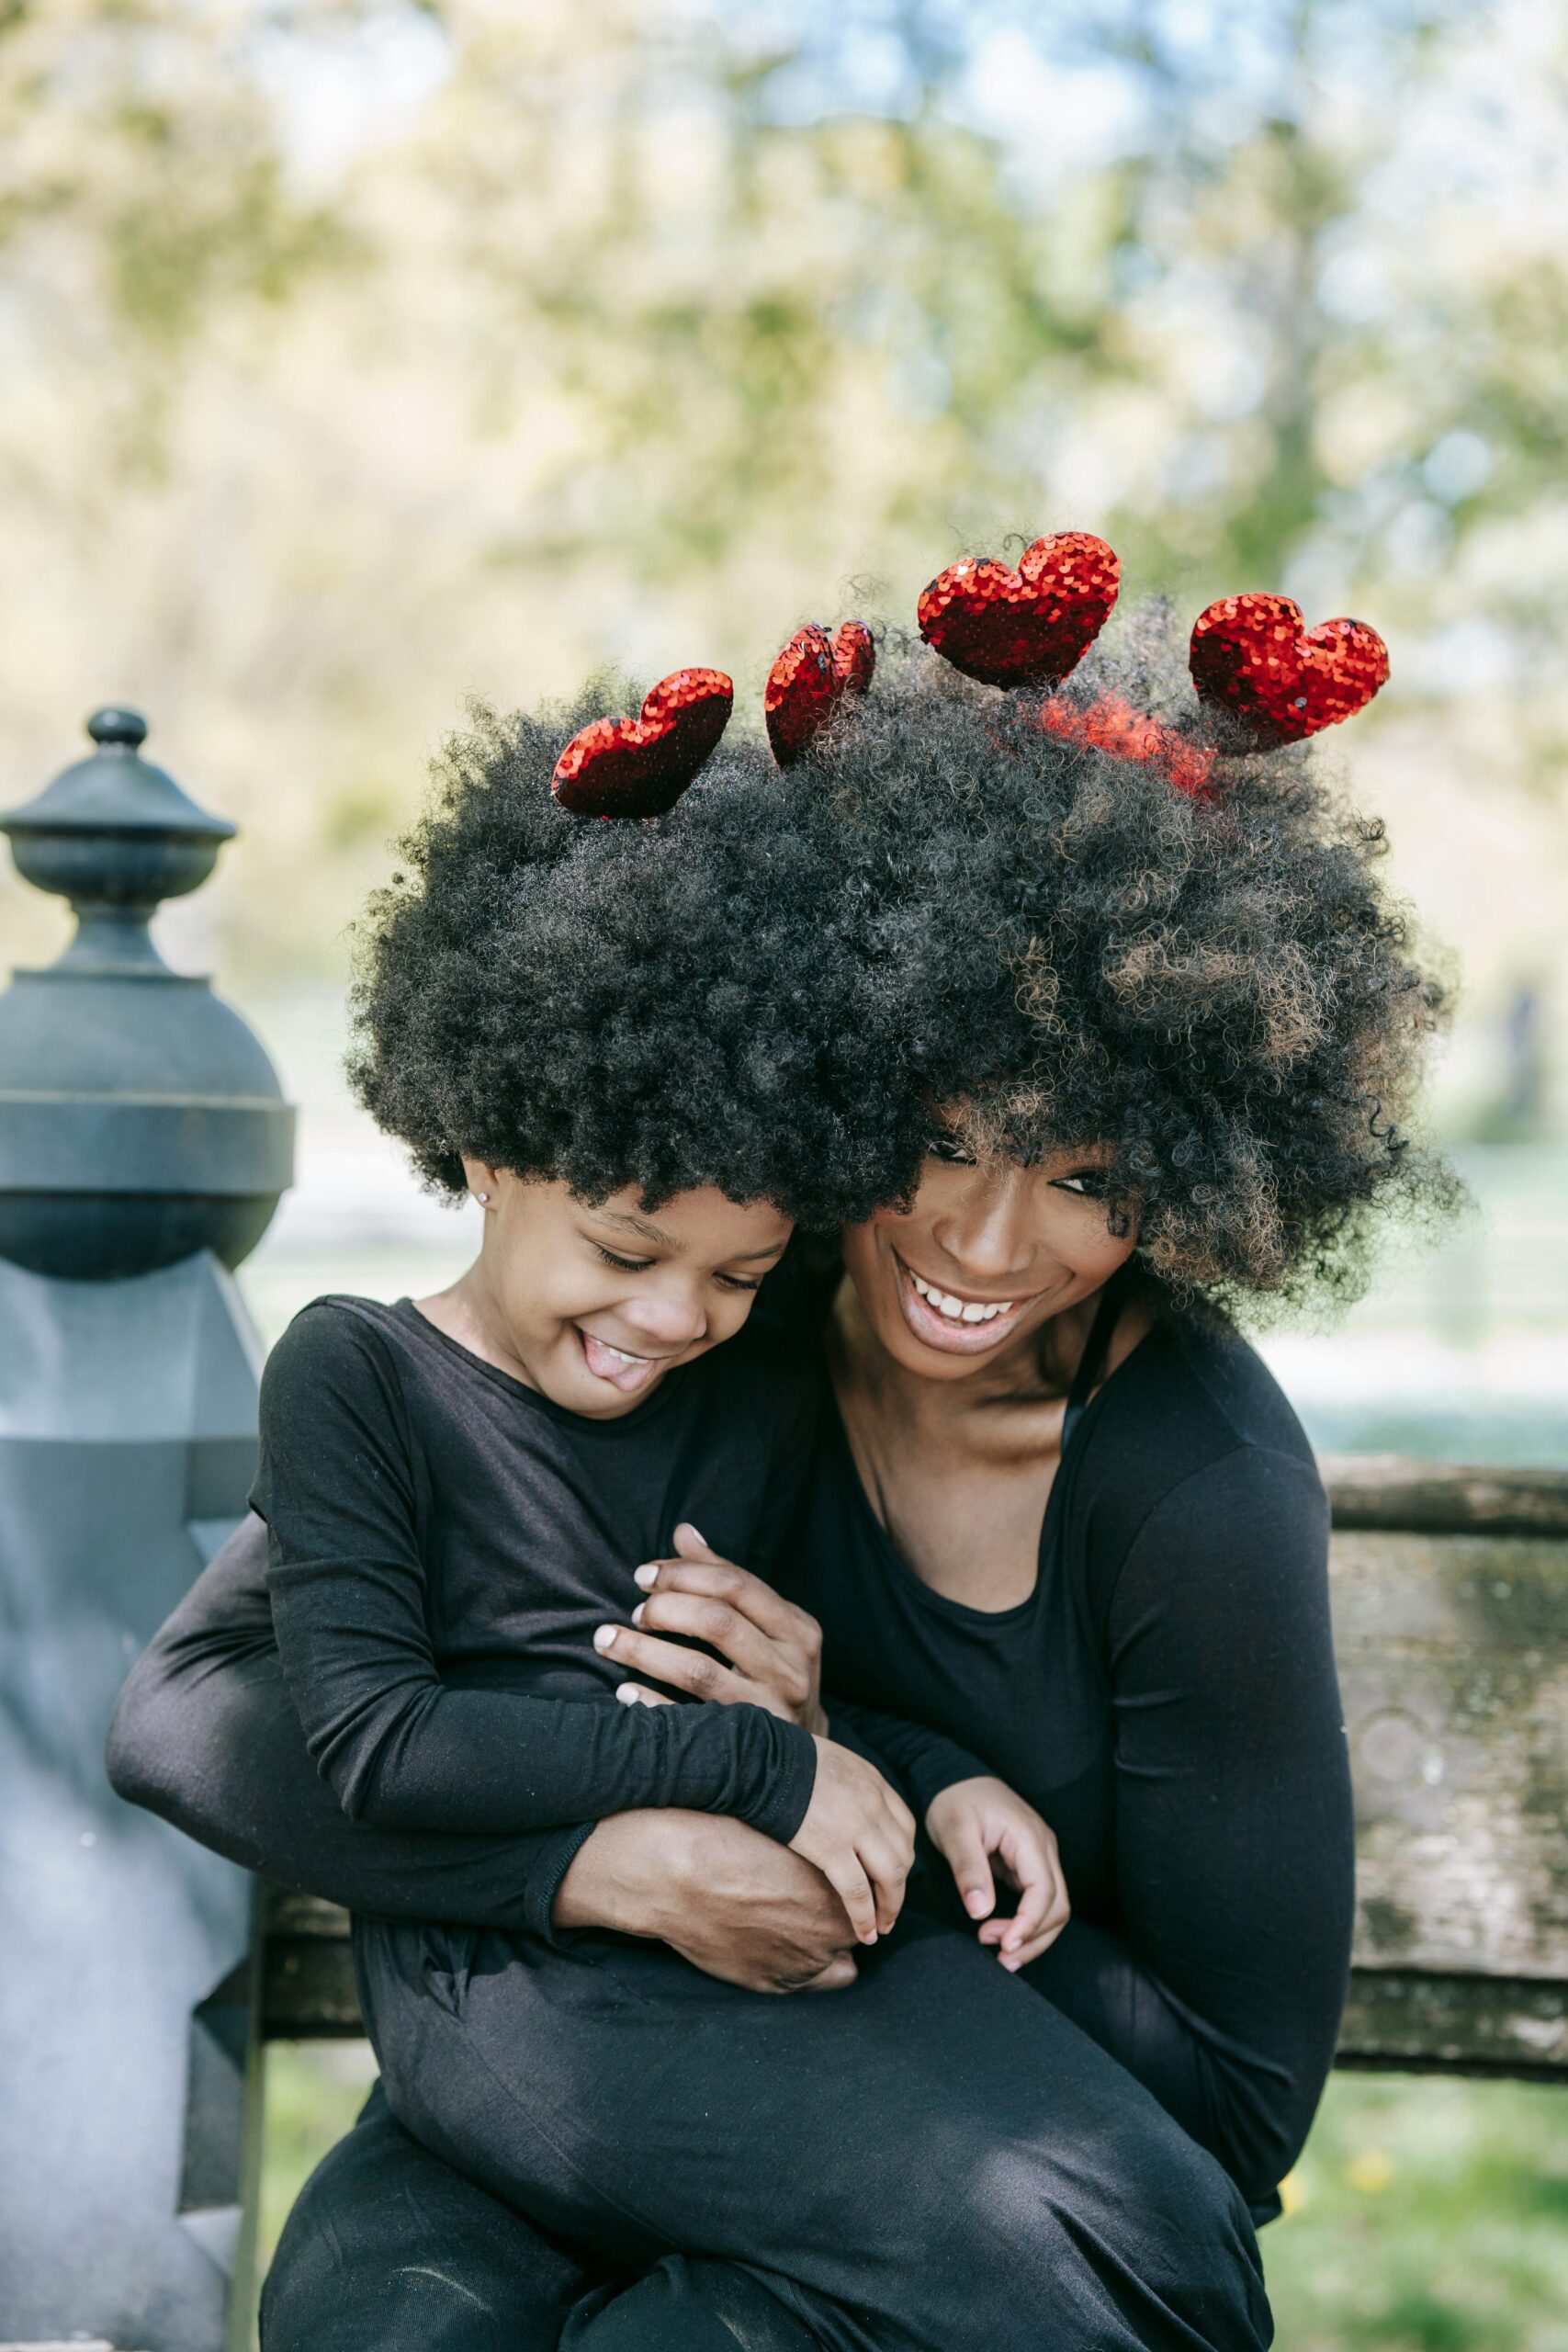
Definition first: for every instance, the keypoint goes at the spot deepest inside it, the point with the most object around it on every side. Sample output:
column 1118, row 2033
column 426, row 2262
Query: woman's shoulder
column 1193, row 1410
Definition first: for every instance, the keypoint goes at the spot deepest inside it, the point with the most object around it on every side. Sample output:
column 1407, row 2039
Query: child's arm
column 348, row 1595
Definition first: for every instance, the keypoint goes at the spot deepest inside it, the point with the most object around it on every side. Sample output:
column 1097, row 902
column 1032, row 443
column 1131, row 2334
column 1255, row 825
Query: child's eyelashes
column 625, row 1265
column 641, row 1265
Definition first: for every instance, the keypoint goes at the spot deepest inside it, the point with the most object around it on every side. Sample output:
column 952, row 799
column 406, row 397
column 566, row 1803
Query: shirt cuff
column 557, row 1854
column 787, row 1796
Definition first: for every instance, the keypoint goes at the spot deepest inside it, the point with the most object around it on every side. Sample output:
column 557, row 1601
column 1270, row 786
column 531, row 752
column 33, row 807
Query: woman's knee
column 1137, row 2220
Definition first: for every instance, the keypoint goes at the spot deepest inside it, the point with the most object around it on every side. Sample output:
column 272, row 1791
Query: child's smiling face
column 593, row 1305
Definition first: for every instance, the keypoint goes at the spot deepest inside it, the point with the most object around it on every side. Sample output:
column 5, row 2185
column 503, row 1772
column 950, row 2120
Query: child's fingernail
column 645, row 1576
column 603, row 1637
column 975, row 1903
column 636, row 1613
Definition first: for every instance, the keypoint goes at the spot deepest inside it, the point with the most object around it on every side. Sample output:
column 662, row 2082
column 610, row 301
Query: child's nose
column 676, row 1318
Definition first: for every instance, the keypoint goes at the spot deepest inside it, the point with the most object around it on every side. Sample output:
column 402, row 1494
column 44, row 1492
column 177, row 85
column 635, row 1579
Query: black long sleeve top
column 1167, row 1698
column 443, row 1541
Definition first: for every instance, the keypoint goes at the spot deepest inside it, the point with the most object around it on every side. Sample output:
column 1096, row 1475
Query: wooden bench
column 1450, row 1600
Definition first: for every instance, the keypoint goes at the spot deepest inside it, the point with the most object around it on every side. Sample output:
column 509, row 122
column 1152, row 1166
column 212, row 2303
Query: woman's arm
column 397, row 1745
column 1234, row 1846
column 204, row 1735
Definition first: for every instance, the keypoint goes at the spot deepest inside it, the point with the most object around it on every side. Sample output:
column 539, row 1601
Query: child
column 643, row 1050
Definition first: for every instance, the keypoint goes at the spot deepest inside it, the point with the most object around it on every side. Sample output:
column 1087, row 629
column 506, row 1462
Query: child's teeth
column 958, row 1310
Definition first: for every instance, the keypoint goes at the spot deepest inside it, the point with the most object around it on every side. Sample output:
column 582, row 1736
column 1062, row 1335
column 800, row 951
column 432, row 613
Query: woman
column 1078, row 1539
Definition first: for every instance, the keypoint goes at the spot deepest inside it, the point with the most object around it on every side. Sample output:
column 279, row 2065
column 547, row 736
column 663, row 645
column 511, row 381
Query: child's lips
column 622, row 1370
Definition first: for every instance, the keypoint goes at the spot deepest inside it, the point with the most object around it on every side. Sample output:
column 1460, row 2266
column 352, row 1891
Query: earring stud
column 481, row 1197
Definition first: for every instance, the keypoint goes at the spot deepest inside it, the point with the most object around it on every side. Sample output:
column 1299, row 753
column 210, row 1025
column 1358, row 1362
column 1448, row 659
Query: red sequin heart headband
column 1250, row 656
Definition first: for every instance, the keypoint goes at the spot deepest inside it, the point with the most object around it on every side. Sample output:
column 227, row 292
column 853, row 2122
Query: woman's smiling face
column 984, row 1257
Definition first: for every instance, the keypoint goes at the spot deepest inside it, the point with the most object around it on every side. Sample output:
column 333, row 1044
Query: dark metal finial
column 117, row 725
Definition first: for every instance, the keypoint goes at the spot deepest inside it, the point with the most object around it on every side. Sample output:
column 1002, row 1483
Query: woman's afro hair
column 1215, row 990
column 671, row 1004
column 945, row 912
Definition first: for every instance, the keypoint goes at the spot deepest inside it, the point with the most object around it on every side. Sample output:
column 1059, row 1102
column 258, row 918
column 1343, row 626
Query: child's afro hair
column 1215, row 990
column 671, row 1004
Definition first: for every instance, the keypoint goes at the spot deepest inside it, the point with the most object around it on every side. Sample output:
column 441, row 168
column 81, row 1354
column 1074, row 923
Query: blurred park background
column 359, row 356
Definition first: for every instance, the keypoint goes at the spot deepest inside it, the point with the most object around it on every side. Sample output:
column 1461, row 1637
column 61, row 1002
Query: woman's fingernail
column 645, row 1576
column 636, row 1613
column 702, row 1539
column 628, row 1694
column 604, row 1637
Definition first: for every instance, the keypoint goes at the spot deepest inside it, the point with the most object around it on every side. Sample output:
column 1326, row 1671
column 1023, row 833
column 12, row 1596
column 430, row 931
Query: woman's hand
column 774, row 1649
column 735, row 1904
column 975, row 1820
column 858, row 1831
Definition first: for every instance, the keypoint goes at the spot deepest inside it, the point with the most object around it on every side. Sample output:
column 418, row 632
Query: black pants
column 389, row 2250
column 933, row 2161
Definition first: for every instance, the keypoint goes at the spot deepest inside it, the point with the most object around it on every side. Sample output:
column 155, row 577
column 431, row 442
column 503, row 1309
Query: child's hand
column 976, row 1819
column 860, row 1835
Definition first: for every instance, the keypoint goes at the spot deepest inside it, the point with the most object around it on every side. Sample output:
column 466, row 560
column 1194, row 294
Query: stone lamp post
column 143, row 1145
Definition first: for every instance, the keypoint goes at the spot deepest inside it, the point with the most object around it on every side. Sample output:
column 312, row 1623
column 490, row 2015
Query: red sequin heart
column 1009, row 629
column 809, row 679
column 640, row 767
column 1254, row 655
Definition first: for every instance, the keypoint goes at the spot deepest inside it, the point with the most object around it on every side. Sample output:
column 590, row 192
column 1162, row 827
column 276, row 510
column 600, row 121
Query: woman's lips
column 624, row 1372
column 950, row 1333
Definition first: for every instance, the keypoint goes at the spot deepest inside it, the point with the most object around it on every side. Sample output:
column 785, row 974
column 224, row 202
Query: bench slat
column 1453, row 1662
column 1394, row 2018
column 1387, row 1490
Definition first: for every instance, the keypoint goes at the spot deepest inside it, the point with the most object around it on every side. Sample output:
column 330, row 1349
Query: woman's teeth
column 958, row 1310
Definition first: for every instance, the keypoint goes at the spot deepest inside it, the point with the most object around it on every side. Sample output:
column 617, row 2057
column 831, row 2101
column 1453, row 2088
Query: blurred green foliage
column 360, row 355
